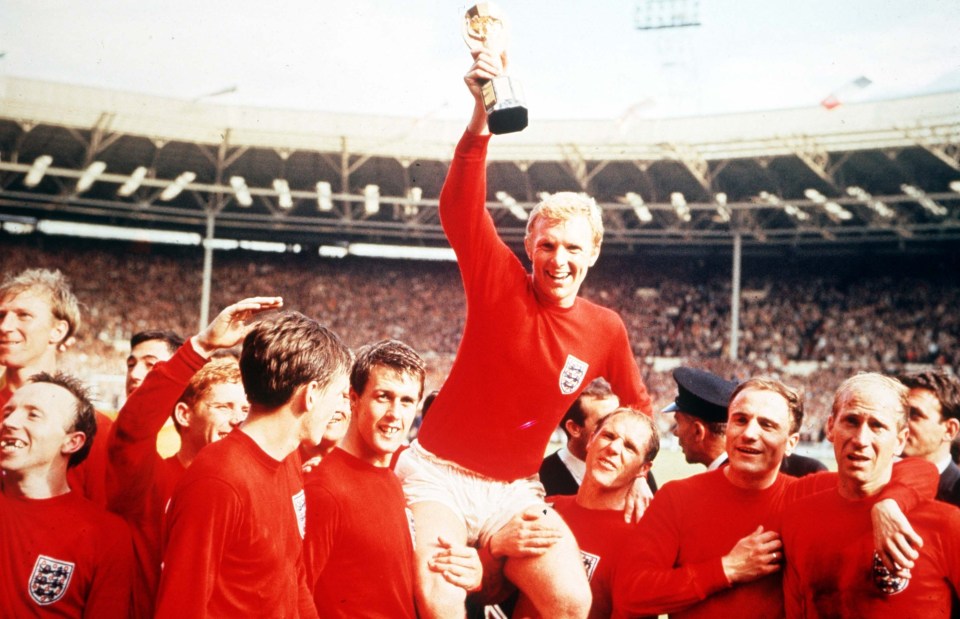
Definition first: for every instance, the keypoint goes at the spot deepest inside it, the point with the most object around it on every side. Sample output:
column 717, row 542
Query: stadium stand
column 797, row 321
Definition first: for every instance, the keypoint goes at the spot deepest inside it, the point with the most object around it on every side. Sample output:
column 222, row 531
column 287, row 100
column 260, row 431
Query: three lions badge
column 571, row 377
column 50, row 579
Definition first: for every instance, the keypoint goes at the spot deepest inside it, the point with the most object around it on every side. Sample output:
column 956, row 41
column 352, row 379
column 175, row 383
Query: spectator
column 934, row 423
column 563, row 471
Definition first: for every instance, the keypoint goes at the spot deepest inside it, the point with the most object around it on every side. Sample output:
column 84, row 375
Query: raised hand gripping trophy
column 484, row 27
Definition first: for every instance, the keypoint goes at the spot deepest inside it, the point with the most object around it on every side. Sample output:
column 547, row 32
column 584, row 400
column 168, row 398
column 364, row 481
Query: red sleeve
column 464, row 194
column 111, row 590
column 203, row 515
column 132, row 450
column 647, row 581
column 467, row 222
column 624, row 375
column 89, row 478
column 951, row 551
column 913, row 480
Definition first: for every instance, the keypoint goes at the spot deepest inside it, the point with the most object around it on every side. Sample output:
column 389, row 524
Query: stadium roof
column 881, row 172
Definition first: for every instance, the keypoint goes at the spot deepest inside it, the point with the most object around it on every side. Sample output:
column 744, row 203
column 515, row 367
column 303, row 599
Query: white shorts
column 483, row 504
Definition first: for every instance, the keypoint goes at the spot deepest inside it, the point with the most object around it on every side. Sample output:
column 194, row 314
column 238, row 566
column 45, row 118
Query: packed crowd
column 865, row 321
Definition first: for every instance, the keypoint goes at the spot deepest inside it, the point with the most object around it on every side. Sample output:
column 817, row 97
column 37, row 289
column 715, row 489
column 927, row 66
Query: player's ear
column 594, row 254
column 699, row 430
column 182, row 413
column 72, row 443
column 830, row 421
column 644, row 470
column 951, row 429
column 792, row 441
column 58, row 333
column 528, row 246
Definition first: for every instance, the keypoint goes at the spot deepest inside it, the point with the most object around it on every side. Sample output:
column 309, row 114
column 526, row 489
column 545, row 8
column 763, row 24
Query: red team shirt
column 828, row 543
column 63, row 557
column 234, row 537
column 140, row 482
column 358, row 549
column 520, row 364
column 601, row 535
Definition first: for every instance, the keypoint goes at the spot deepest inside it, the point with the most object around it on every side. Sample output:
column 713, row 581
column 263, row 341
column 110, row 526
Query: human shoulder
column 949, row 491
column 596, row 312
column 696, row 484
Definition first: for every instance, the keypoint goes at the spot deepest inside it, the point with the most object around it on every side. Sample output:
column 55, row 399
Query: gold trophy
column 484, row 27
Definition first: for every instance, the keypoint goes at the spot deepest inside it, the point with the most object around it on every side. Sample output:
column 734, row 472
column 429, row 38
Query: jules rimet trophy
column 484, row 26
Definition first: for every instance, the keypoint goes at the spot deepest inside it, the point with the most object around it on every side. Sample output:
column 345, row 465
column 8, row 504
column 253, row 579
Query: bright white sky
column 575, row 58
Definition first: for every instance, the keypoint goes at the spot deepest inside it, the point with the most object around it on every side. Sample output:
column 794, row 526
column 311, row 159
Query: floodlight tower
column 660, row 14
column 672, row 21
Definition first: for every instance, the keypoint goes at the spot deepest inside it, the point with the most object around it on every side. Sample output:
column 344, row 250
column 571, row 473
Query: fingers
column 897, row 554
column 310, row 464
column 533, row 513
column 255, row 304
column 485, row 65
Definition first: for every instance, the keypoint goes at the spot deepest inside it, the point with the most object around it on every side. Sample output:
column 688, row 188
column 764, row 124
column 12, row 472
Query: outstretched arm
column 132, row 450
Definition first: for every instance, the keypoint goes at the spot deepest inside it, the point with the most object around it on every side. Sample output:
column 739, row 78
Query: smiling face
column 323, row 404
column 382, row 414
column 616, row 455
column 758, row 437
column 221, row 409
column 561, row 253
column 35, row 434
column 867, row 429
column 29, row 331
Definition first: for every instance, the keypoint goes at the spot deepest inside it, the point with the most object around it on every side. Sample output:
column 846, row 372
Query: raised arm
column 132, row 448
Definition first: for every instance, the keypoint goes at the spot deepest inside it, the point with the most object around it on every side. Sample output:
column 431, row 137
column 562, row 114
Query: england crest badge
column 300, row 509
column 571, row 377
column 49, row 580
column 590, row 562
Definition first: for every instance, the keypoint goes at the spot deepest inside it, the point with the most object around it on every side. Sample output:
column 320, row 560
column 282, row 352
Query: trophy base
column 503, row 100
column 507, row 120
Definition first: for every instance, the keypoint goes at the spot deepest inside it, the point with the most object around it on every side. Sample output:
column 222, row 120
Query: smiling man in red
column 60, row 555
column 530, row 345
